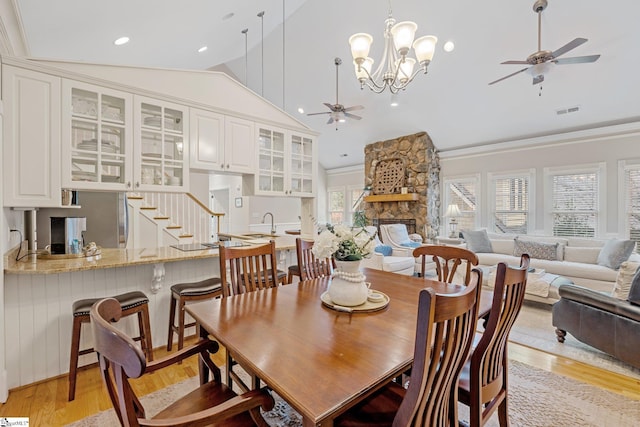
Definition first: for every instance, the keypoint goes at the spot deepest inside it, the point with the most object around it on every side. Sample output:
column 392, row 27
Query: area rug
column 533, row 328
column 537, row 399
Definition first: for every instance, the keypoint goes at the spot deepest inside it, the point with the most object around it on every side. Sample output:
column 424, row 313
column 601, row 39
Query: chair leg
column 289, row 278
column 145, row 331
column 180, row 324
column 228, row 373
column 172, row 316
column 73, row 359
column 503, row 413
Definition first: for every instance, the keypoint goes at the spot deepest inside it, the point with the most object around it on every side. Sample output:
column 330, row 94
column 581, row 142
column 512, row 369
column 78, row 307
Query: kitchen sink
column 258, row 235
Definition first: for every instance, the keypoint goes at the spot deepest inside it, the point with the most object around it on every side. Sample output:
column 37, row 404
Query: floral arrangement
column 344, row 243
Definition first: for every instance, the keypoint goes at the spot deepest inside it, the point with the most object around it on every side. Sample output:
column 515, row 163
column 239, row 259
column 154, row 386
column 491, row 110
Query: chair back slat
column 444, row 333
column 310, row 266
column 249, row 268
column 447, row 260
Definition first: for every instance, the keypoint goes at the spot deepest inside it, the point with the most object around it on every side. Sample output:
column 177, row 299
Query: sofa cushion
column 500, row 246
column 385, row 250
column 634, row 291
column 397, row 263
column 585, row 242
column 624, row 278
column 477, row 240
column 615, row 252
column 537, row 250
column 588, row 255
column 411, row 244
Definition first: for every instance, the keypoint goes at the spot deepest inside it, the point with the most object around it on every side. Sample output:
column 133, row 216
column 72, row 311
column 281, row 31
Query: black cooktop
column 203, row 246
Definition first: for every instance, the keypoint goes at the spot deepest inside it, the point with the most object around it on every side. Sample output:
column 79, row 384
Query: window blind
column 632, row 202
column 464, row 194
column 575, row 204
column 511, row 204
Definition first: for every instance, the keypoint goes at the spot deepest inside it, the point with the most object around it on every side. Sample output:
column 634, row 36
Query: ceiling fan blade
column 577, row 59
column 315, row 114
column 352, row 116
column 330, row 106
column 354, row 108
column 569, row 46
column 515, row 62
column 330, row 120
column 538, row 79
column 510, row 75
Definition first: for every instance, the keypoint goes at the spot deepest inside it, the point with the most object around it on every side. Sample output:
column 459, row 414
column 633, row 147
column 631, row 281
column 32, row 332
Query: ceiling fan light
column 360, row 45
column 542, row 68
column 405, row 68
column 425, row 47
column 403, row 34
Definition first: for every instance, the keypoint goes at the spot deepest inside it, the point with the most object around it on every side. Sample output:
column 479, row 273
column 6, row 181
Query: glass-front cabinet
column 286, row 163
column 162, row 153
column 96, row 135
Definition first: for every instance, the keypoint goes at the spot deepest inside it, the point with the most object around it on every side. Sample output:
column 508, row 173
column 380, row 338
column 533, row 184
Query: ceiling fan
column 539, row 62
column 338, row 112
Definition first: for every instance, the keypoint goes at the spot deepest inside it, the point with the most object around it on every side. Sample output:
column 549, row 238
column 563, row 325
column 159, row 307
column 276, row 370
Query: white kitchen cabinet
column 161, row 149
column 31, row 156
column 221, row 143
column 90, row 114
column 287, row 163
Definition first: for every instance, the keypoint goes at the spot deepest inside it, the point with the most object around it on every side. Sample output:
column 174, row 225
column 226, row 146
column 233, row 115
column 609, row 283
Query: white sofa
column 576, row 260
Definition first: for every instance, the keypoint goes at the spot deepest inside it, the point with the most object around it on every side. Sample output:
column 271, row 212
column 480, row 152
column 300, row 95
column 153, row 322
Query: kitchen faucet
column 273, row 228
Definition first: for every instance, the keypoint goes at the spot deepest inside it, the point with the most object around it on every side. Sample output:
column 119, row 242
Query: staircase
column 163, row 219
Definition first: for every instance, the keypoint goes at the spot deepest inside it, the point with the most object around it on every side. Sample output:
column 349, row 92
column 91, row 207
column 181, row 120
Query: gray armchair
column 607, row 323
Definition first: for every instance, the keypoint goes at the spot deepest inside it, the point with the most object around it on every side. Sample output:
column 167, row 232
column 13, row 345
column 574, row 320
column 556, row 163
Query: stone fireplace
column 419, row 196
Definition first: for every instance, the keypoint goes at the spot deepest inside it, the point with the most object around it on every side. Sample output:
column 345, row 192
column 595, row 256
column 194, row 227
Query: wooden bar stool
column 134, row 302
column 180, row 294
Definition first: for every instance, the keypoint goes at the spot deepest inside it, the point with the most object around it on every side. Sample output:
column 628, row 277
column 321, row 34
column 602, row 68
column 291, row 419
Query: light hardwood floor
column 46, row 403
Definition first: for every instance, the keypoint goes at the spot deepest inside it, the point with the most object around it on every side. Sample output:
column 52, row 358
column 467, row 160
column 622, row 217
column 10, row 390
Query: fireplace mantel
column 409, row 197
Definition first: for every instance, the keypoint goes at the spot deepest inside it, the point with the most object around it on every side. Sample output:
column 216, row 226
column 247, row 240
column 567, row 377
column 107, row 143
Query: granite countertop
column 111, row 258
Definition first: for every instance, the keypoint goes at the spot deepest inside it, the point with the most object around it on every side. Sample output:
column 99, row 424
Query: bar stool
column 134, row 302
column 180, row 294
column 294, row 270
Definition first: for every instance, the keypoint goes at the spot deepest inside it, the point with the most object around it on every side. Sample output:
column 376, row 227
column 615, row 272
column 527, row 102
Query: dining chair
column 447, row 259
column 445, row 328
column 249, row 269
column 309, row 266
column 483, row 384
column 211, row 403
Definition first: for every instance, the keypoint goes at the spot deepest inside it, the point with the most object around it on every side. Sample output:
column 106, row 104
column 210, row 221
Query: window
column 343, row 203
column 575, row 201
column 463, row 192
column 631, row 199
column 336, row 205
column 510, row 196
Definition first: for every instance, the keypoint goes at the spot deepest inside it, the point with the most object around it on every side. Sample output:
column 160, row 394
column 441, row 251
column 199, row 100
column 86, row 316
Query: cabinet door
column 97, row 150
column 302, row 165
column 206, row 139
column 31, row 160
column 161, row 148
column 239, row 147
column 270, row 179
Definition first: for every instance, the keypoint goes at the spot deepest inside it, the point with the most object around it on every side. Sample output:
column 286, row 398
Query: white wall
column 608, row 145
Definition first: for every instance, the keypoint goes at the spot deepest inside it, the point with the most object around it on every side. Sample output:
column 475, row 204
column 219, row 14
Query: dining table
column 320, row 360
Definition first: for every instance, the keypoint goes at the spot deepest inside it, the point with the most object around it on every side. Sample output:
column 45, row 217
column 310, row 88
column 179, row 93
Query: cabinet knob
column 227, row 165
column 137, row 184
column 128, row 184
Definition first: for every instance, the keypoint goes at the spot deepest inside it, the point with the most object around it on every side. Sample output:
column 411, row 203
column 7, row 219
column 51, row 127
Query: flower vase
column 348, row 286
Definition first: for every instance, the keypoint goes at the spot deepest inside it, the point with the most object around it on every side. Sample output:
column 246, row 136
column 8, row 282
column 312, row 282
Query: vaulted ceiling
column 292, row 65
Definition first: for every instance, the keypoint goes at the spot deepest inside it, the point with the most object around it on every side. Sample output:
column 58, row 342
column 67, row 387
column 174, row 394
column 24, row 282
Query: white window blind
column 632, row 202
column 575, row 202
column 511, row 204
column 464, row 193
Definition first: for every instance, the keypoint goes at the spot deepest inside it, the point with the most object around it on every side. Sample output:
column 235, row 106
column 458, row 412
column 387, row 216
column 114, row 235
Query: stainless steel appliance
column 66, row 234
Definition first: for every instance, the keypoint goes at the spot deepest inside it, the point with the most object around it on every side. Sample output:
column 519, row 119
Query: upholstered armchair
column 403, row 243
column 388, row 258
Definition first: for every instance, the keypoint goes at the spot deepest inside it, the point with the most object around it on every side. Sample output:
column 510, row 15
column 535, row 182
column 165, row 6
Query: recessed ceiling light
column 228, row 16
column 121, row 41
column 202, row 49
column 343, row 155
column 300, row 110
column 449, row 46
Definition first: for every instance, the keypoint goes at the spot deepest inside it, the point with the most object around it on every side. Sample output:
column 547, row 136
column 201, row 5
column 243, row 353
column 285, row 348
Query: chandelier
column 395, row 70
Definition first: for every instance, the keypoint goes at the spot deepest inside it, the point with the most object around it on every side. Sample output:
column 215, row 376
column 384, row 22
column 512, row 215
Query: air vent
column 568, row 110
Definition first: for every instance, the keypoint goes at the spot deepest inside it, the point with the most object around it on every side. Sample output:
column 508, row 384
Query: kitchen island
column 39, row 295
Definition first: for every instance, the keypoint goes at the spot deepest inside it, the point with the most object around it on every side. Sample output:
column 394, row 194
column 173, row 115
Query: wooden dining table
column 319, row 360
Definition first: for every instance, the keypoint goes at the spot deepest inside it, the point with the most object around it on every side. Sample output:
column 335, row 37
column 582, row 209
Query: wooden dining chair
column 445, row 329
column 309, row 266
column 249, row 269
column 447, row 259
column 212, row 403
column 484, row 378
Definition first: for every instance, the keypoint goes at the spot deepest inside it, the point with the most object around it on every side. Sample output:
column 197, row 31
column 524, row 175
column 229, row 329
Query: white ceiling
column 453, row 102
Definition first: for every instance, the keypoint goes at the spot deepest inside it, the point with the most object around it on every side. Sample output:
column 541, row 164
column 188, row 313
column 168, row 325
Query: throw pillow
column 625, row 276
column 634, row 292
column 385, row 250
column 410, row 244
column 615, row 252
column 539, row 250
column 477, row 241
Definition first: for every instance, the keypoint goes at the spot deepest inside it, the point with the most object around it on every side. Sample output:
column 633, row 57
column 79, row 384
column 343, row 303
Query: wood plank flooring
column 46, row 403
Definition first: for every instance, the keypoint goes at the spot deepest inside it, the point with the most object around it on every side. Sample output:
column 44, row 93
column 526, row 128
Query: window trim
column 476, row 179
column 530, row 175
column 600, row 169
column 623, row 224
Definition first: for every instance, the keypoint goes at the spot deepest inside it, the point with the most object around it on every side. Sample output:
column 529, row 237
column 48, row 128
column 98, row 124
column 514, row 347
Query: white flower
column 343, row 243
